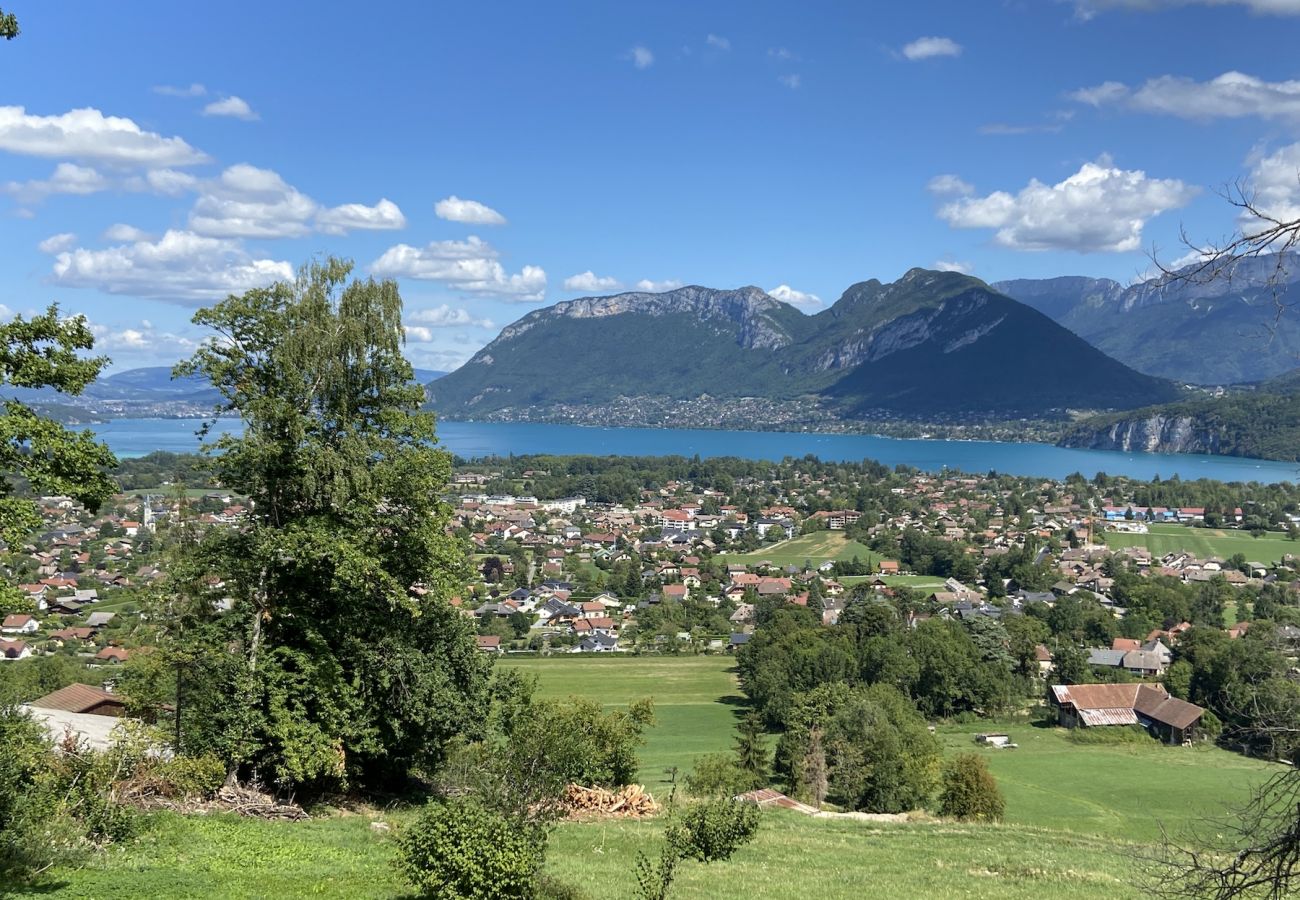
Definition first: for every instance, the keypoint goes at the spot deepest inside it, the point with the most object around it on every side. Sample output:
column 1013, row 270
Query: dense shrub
column 462, row 849
column 713, row 830
column 969, row 790
column 1113, row 734
column 719, row 775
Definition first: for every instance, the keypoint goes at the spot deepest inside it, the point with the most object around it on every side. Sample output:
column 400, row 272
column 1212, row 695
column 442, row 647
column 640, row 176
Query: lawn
column 818, row 547
column 1206, row 542
column 1078, row 815
column 915, row 582
column 697, row 700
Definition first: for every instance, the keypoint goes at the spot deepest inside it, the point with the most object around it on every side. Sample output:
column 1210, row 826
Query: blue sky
column 497, row 156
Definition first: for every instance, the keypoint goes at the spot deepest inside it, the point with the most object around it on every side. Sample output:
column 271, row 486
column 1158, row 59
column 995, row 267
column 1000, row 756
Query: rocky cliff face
column 1151, row 434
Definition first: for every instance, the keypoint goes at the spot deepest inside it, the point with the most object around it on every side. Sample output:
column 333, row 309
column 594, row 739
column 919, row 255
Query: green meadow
column 1080, row 817
column 818, row 547
column 1206, row 542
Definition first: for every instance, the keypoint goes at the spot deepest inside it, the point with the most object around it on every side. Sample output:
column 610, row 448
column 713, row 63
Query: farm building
column 1149, row 705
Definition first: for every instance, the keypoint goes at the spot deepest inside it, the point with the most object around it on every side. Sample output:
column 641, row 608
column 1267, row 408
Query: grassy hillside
column 1078, row 816
column 819, row 547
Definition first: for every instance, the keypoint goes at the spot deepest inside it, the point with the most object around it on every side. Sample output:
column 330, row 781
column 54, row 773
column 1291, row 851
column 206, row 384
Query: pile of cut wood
column 630, row 801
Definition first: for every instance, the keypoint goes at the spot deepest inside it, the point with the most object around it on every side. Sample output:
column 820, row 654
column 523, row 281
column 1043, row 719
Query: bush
column 461, row 849
column 713, row 830
column 970, row 793
column 1210, row 725
column 1111, row 734
column 182, row 777
column 719, row 775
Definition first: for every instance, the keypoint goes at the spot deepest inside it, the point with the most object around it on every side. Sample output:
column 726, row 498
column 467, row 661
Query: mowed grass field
column 697, row 700
column 818, row 547
column 1206, row 542
column 1078, row 818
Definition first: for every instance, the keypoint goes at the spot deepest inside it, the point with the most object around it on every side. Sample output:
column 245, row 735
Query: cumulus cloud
column 383, row 216
column 181, row 267
column 246, row 201
column 470, row 212
column 657, row 287
column 952, row 265
column 122, row 233
column 67, row 178
column 140, row 338
column 1099, row 208
column 448, row 317
column 1274, row 186
column 641, row 57
column 191, row 90
column 169, row 181
column 931, row 47
column 57, row 242
column 947, row 185
column 801, row 299
column 88, row 134
column 1086, row 9
column 231, row 107
column 470, row 266
column 1232, row 95
column 718, row 41
column 590, row 281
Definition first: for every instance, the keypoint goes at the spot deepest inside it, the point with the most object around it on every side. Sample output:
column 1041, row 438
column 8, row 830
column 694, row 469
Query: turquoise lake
column 136, row 437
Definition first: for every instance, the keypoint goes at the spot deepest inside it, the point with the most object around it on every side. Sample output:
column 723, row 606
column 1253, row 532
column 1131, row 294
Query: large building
column 1149, row 705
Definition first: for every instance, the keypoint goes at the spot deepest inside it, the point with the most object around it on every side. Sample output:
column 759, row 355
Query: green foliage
column 969, row 791
column 875, row 749
column 751, row 747
column 8, row 25
column 26, row 802
column 462, row 850
column 719, row 775
column 1128, row 734
column 350, row 666
column 717, row 828
column 45, row 351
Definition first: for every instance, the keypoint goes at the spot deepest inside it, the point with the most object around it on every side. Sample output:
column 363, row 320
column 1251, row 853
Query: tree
column 45, row 351
column 751, row 751
column 969, row 792
column 340, row 659
column 462, row 849
column 8, row 25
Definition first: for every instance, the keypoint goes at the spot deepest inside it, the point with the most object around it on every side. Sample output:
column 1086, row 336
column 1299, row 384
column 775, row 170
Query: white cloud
column 418, row 334
column 590, row 281
column 1274, row 186
column 125, row 233
column 231, row 107
column 1086, row 9
column 641, row 57
column 181, row 267
column 88, row 134
column 471, row 212
column 946, row 185
column 67, row 178
column 1232, row 95
column 952, row 265
column 657, row 287
column 141, row 338
column 448, row 317
column 931, row 47
column 383, row 216
column 791, row 81
column 781, row 53
column 470, row 266
column 56, row 243
column 718, row 41
column 1099, row 208
column 169, row 181
column 246, row 201
column 192, row 90
column 787, row 294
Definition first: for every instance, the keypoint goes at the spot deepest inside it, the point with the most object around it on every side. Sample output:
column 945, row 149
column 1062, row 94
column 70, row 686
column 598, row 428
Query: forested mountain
column 929, row 343
column 1225, row 331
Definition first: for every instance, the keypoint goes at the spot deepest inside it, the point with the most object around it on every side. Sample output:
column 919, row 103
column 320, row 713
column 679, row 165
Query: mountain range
column 930, row 344
column 1224, row 331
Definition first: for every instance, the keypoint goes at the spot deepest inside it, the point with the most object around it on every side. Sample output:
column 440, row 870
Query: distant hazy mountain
column 151, row 386
column 932, row 342
column 1223, row 332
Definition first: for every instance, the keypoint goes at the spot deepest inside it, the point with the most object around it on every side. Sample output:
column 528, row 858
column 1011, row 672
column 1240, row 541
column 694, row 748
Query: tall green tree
column 8, row 25
column 321, row 646
column 37, row 454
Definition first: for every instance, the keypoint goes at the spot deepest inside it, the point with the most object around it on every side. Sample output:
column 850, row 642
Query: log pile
column 238, row 799
column 630, row 801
